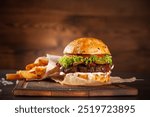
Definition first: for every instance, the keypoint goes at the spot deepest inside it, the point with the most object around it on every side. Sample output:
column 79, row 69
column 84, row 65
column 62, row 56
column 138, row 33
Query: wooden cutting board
column 47, row 88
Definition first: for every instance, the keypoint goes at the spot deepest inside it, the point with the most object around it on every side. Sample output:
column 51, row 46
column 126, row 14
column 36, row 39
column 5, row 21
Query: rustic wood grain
column 78, row 7
column 46, row 88
column 29, row 29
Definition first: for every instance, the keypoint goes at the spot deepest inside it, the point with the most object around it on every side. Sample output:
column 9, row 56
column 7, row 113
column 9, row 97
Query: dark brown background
column 32, row 28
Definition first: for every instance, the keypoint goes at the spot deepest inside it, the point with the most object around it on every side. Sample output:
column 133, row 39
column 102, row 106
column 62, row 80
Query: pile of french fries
column 34, row 70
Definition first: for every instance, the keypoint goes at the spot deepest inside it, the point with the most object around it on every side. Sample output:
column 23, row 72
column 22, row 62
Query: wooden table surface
column 142, row 86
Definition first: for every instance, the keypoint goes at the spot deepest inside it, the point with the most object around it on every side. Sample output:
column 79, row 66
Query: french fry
column 41, row 61
column 40, row 70
column 27, row 75
column 30, row 66
column 34, row 70
column 13, row 77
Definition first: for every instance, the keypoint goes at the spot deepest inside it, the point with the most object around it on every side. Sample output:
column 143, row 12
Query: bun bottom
column 97, row 76
column 86, row 79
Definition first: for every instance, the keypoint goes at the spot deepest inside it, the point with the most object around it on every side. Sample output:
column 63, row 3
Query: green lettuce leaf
column 67, row 61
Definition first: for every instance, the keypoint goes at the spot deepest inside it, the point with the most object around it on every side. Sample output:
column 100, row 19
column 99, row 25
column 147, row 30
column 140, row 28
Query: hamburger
column 88, row 59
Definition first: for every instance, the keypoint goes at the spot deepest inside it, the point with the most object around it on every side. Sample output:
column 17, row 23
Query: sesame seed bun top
column 86, row 46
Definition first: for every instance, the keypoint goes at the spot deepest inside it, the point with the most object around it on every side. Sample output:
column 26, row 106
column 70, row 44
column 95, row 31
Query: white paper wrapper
column 83, row 82
column 53, row 58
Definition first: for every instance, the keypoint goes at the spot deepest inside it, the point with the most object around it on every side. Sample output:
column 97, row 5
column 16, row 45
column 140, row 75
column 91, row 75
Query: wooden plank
column 47, row 88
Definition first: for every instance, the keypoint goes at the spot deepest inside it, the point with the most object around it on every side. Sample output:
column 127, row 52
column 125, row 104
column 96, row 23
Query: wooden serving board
column 47, row 88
